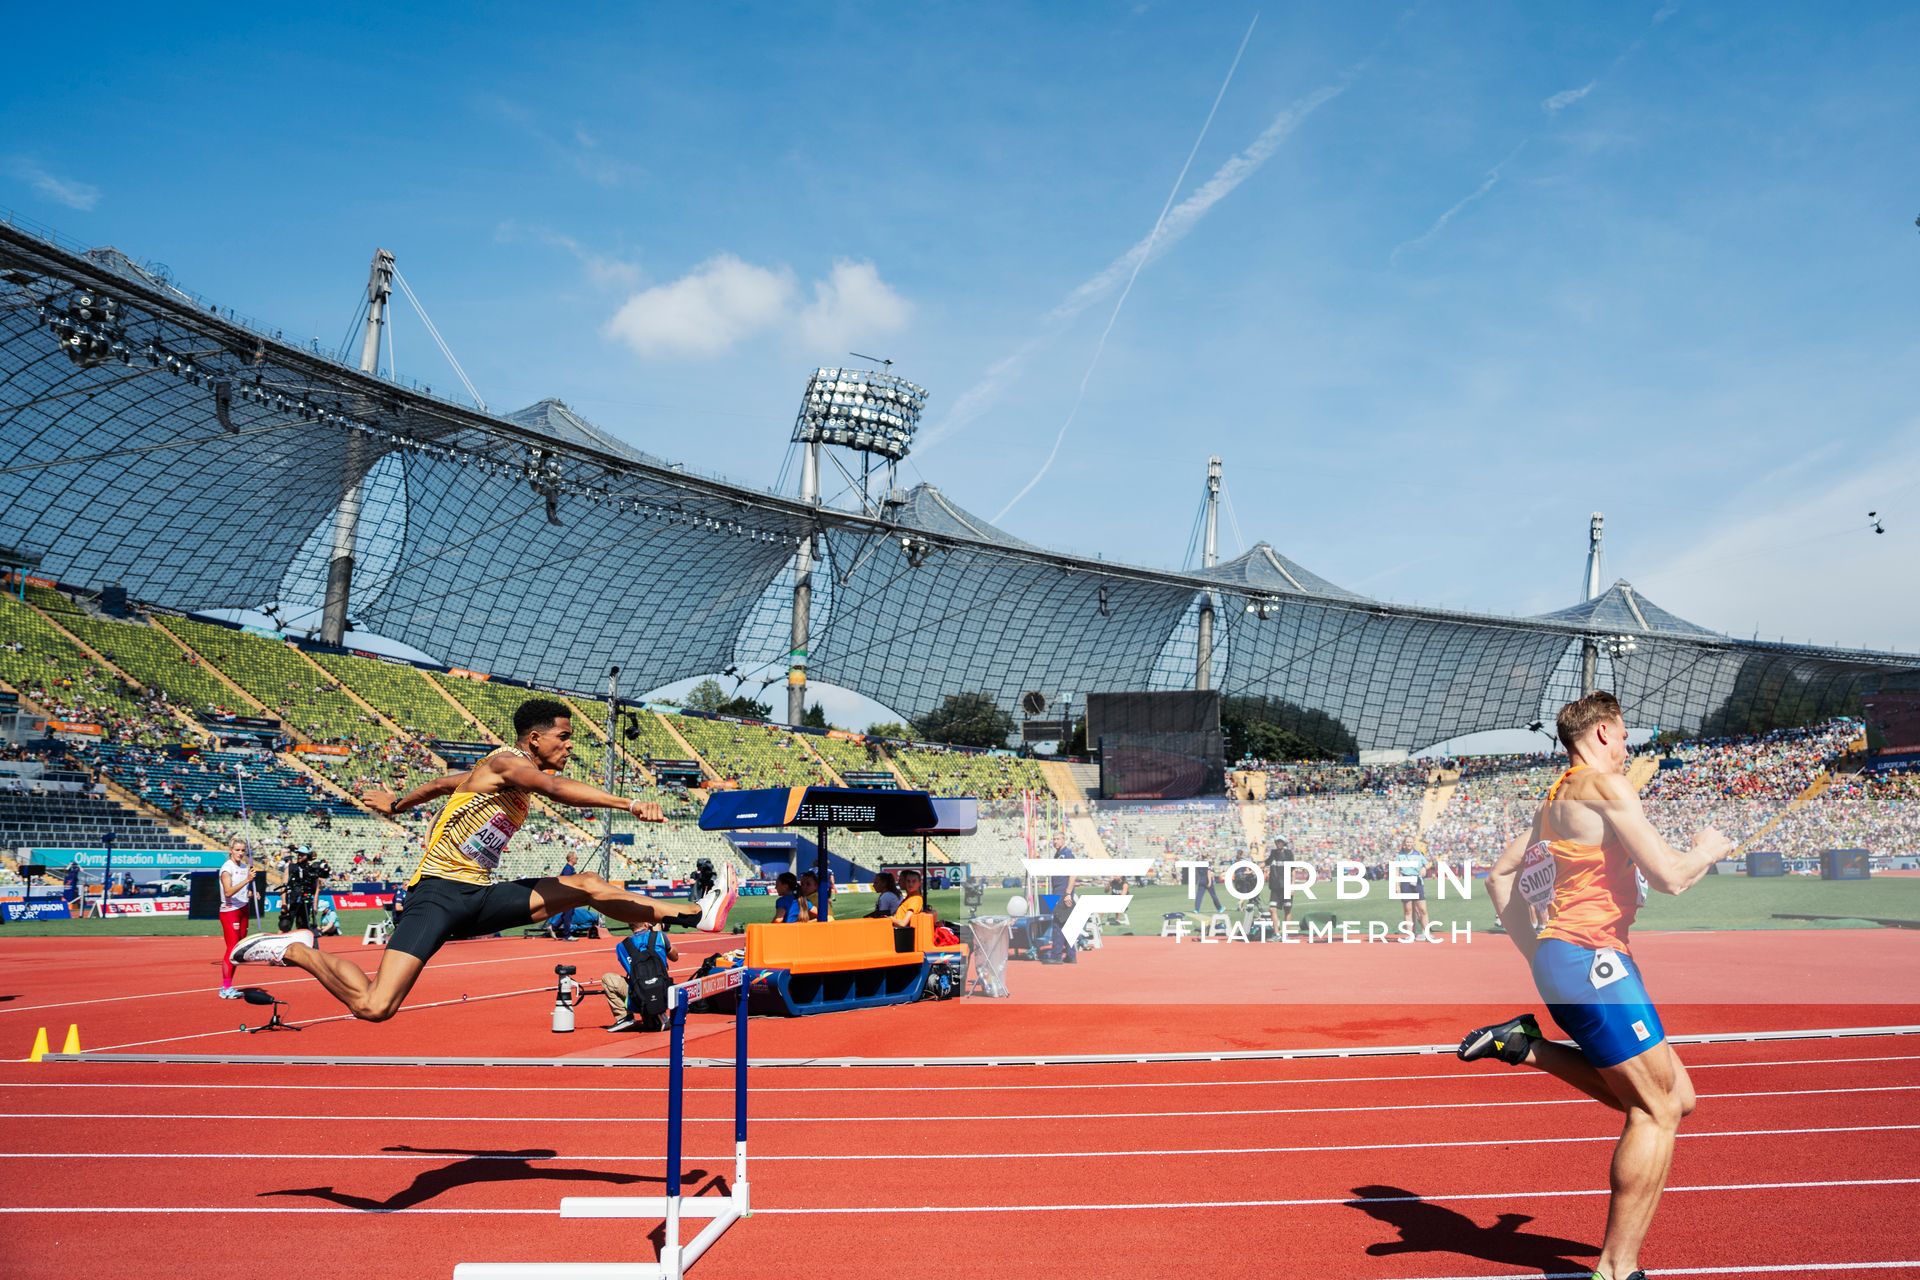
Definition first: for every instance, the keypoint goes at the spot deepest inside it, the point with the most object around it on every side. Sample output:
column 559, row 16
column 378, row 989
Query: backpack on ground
column 647, row 984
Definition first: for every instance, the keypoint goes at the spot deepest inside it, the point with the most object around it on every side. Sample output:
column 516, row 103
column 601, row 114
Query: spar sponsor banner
column 38, row 910
column 131, row 859
column 145, row 907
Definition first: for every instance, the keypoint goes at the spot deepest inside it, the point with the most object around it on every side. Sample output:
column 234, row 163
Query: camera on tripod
column 703, row 877
column 566, row 994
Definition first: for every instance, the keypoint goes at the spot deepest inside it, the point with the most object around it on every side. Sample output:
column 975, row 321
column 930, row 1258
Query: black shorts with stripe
column 439, row 911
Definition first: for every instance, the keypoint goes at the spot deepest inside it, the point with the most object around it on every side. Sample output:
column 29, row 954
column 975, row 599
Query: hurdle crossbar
column 720, row 1211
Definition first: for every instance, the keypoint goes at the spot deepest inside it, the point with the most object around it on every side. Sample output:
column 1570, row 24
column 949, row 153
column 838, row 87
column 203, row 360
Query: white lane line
column 1738, row 1269
column 841, row 1156
column 390, row 1118
column 868, row 1210
column 209, row 989
column 1467, row 1077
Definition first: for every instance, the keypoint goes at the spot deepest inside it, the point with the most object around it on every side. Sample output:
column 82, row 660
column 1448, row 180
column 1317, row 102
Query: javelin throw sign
column 1086, row 905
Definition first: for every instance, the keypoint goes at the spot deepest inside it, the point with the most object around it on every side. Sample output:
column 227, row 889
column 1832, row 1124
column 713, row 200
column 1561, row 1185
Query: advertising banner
column 146, row 907
column 131, row 859
column 36, row 910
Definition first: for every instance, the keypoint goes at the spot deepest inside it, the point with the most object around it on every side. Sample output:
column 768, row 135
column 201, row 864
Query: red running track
column 1801, row 1157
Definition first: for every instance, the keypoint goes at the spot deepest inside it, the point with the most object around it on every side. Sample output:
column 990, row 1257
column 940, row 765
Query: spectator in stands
column 642, row 940
column 911, row 899
column 236, row 894
column 886, row 895
column 787, row 904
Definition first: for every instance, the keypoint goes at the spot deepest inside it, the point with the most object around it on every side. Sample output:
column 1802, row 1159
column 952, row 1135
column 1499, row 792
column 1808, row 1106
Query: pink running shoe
column 268, row 948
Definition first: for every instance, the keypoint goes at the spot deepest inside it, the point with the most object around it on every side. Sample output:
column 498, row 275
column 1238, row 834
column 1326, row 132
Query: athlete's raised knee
column 374, row 1008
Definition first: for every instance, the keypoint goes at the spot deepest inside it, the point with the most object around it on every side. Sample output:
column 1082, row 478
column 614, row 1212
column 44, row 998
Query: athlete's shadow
column 474, row 1167
column 1426, row 1227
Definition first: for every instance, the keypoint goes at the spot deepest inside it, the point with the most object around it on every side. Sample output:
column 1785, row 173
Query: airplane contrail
column 1169, row 229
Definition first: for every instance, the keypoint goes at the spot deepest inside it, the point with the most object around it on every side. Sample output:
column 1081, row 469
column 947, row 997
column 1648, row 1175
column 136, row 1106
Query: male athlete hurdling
column 453, row 893
column 1575, row 872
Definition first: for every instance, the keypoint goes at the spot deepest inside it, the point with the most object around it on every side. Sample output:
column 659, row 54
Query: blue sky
column 1439, row 280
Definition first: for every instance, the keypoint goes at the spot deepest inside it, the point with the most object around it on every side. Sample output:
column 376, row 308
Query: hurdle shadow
column 1426, row 1227
column 472, row 1169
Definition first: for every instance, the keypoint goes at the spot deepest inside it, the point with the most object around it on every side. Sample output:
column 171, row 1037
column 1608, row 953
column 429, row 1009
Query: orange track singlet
column 1594, row 895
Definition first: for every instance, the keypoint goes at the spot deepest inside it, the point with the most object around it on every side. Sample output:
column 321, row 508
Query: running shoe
column 268, row 948
column 719, row 901
column 1507, row 1041
column 1638, row 1275
column 627, row 1023
column 229, row 993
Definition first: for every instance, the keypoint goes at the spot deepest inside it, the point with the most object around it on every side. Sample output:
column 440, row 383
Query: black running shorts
column 438, row 911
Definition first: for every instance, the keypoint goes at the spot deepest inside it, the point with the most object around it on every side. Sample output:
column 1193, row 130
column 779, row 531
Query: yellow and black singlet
column 472, row 831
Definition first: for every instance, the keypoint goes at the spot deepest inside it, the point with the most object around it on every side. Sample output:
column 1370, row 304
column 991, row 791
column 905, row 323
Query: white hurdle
column 722, row 1211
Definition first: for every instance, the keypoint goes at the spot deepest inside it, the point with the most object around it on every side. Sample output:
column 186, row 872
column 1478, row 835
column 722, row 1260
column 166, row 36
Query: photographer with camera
column 703, row 878
column 304, row 881
column 643, row 955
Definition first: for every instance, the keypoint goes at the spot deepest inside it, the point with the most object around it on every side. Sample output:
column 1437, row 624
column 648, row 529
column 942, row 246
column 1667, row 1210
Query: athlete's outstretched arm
column 581, row 795
column 1508, row 905
column 1667, row 869
column 386, row 802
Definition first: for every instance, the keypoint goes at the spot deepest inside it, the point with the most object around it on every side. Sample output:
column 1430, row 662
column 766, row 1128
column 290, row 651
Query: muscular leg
column 563, row 893
column 1571, row 1066
column 1657, row 1094
column 371, row 999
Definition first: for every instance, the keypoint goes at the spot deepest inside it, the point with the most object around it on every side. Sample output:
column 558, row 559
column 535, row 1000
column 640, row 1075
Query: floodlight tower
column 866, row 412
column 346, row 520
column 1209, row 557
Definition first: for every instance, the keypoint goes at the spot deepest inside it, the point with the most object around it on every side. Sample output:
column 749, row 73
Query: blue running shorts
column 1598, row 999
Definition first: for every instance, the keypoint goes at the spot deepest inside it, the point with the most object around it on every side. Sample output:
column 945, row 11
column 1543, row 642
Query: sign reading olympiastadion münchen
column 131, row 859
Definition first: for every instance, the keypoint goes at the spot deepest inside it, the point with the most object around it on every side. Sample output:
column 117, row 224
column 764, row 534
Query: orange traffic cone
column 73, row 1039
column 39, row 1046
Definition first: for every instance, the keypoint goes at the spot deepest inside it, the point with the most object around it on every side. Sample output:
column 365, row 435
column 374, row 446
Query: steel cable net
column 198, row 462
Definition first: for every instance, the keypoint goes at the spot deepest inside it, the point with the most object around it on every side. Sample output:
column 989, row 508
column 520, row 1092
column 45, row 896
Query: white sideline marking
column 388, row 1118
column 867, row 1210
column 1464, row 1076
column 834, row 1156
column 207, row 990
column 1740, row 1269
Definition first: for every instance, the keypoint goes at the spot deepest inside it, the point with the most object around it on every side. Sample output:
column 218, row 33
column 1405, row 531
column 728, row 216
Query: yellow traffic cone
column 39, row 1046
column 73, row 1039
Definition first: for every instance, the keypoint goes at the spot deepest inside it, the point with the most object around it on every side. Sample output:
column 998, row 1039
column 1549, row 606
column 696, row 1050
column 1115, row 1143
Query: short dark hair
column 538, row 713
column 1577, row 717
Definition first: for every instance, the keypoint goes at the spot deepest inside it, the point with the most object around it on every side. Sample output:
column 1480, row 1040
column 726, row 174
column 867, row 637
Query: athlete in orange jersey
column 1574, row 872
column 453, row 894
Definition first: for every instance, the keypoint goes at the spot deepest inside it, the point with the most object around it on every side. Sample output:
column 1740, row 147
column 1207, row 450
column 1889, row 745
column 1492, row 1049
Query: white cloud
column 603, row 270
column 67, row 191
column 706, row 311
column 852, row 305
column 726, row 300
column 1567, row 97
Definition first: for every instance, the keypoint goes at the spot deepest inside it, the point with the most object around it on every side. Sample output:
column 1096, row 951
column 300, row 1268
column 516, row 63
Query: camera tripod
column 254, row 995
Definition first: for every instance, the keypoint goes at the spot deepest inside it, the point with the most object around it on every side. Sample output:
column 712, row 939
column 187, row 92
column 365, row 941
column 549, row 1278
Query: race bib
column 1607, row 968
column 1537, row 877
column 487, row 844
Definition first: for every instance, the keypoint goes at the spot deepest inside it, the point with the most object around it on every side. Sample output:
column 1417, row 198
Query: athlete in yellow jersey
column 453, row 893
column 1574, row 870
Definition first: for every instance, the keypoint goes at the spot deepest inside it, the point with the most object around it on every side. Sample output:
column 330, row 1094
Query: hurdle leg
column 670, row 1265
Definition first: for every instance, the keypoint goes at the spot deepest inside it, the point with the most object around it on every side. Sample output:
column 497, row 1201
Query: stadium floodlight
column 1620, row 646
column 860, row 409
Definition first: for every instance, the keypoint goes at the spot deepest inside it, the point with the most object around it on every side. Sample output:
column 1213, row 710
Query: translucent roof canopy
column 197, row 460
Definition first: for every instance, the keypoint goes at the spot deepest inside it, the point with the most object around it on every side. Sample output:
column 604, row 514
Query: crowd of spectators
column 1739, row 784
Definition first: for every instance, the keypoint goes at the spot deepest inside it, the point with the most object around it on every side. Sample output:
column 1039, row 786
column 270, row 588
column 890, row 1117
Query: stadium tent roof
column 1620, row 609
column 1264, row 569
column 199, row 460
column 554, row 419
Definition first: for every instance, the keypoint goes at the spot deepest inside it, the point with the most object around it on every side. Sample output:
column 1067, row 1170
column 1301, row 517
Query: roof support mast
column 803, row 590
column 346, row 519
column 1209, row 557
column 1590, row 647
